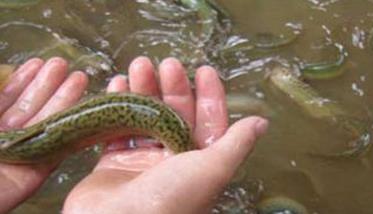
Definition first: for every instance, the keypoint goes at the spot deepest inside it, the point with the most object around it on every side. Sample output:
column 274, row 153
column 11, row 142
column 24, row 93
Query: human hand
column 151, row 180
column 35, row 91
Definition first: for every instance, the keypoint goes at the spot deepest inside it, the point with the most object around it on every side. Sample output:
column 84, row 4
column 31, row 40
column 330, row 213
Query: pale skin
column 144, row 180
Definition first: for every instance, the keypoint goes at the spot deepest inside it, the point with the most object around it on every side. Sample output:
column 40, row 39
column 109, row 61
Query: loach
column 111, row 115
column 321, row 108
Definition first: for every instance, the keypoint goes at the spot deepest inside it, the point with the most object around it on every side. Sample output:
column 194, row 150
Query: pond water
column 248, row 37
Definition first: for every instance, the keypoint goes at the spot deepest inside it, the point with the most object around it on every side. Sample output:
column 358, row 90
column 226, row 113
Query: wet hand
column 151, row 179
column 35, row 91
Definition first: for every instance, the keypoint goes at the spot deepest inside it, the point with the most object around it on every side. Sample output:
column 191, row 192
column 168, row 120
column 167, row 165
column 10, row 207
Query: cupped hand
column 153, row 180
column 35, row 91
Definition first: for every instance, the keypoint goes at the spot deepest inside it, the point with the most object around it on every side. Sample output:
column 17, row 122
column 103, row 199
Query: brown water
column 109, row 35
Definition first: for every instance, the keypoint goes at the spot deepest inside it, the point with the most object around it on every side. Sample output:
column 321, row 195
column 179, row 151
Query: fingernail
column 140, row 63
column 171, row 65
column 118, row 84
column 55, row 61
column 261, row 127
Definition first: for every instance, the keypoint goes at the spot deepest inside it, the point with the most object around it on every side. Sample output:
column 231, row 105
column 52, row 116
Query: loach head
column 15, row 146
column 13, row 138
column 3, row 143
column 7, row 139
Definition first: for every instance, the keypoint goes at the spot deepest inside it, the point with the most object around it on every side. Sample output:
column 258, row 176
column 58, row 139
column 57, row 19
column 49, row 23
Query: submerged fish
column 103, row 117
column 326, row 70
column 324, row 109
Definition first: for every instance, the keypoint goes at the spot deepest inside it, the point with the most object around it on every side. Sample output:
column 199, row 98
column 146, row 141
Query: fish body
column 303, row 94
column 324, row 109
column 326, row 70
column 101, row 118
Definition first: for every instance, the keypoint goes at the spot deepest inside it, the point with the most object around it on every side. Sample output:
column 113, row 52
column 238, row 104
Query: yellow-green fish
column 102, row 117
column 324, row 109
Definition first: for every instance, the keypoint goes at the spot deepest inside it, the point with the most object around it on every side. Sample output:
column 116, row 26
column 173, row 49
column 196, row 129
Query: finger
column 18, row 82
column 67, row 95
column 118, row 84
column 232, row 149
column 211, row 118
column 176, row 89
column 36, row 94
column 142, row 77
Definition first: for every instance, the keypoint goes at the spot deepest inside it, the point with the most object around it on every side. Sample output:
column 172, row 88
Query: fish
column 95, row 120
column 326, row 70
column 324, row 109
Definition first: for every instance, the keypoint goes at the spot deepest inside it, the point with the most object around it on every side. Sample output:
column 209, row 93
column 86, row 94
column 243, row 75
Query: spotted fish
column 102, row 117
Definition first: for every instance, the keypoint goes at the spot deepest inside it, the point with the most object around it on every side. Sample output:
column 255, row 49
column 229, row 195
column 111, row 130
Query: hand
column 35, row 91
column 151, row 180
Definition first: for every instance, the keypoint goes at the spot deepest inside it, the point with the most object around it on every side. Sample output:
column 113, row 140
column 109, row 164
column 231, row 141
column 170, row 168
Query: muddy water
column 115, row 32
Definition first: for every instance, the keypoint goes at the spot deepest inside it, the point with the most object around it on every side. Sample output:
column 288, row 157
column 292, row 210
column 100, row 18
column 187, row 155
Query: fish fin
column 23, row 136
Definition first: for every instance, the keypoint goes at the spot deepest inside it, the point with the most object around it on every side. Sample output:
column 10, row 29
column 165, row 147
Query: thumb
column 237, row 143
